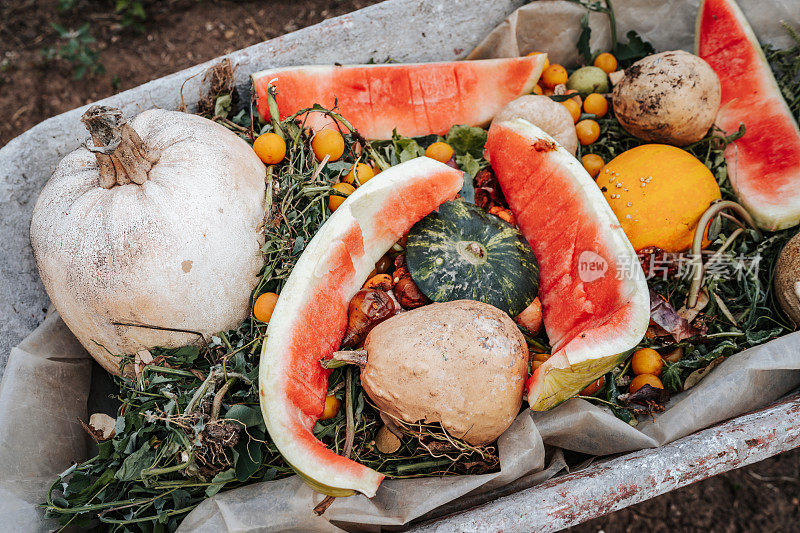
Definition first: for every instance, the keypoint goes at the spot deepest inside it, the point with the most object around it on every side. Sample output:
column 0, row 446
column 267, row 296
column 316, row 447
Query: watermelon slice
column 764, row 165
column 310, row 317
column 595, row 300
column 417, row 99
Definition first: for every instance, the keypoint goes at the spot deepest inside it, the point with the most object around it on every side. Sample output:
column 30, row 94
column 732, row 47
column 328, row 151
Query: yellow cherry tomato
column 588, row 131
column 645, row 379
column 596, row 104
column 647, row 361
column 606, row 62
column 440, row 151
column 573, row 108
column 328, row 142
column 332, row 406
column 554, row 75
column 592, row 163
column 537, row 89
column 362, row 171
column 334, row 200
column 270, row 148
column 264, row 305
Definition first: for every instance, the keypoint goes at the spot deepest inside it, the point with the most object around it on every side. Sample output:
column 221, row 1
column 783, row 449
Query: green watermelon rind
column 586, row 372
column 479, row 112
column 770, row 218
column 508, row 280
column 305, row 292
column 578, row 357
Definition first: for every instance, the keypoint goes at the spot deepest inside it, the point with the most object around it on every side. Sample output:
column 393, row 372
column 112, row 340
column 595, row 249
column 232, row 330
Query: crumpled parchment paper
column 553, row 26
column 46, row 384
column 43, row 393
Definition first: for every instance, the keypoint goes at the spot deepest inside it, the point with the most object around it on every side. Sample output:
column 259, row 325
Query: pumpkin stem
column 346, row 357
column 121, row 155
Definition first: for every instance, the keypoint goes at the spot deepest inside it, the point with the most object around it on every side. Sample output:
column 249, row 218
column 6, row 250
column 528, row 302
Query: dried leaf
column 104, row 424
column 141, row 360
column 647, row 395
column 695, row 377
column 664, row 315
column 100, row 427
column 689, row 314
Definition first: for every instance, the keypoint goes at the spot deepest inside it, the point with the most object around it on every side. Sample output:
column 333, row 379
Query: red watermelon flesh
column 764, row 165
column 416, row 99
column 595, row 301
column 310, row 317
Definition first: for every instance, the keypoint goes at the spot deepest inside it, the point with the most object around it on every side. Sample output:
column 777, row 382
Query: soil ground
column 175, row 34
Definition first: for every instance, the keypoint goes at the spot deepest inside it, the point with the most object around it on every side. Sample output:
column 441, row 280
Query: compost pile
column 189, row 422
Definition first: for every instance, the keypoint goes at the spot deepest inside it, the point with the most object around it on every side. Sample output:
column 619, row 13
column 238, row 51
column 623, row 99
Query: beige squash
column 150, row 234
column 461, row 363
column 542, row 111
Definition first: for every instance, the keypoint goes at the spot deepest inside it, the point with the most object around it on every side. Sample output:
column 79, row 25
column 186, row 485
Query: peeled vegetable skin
column 764, row 164
column 461, row 363
column 310, row 318
column 594, row 295
column 179, row 252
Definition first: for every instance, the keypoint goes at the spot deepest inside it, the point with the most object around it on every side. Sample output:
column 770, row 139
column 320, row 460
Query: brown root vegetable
column 381, row 282
column 787, row 279
column 386, row 441
column 554, row 118
column 405, row 290
column 461, row 363
column 367, row 309
column 671, row 98
column 408, row 294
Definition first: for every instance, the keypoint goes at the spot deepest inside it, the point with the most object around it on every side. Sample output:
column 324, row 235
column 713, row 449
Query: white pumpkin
column 151, row 237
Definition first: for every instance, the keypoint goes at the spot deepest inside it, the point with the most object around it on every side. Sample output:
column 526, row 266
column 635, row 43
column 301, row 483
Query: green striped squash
column 461, row 252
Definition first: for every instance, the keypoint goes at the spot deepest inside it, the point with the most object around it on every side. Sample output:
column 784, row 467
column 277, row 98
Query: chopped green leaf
column 219, row 481
column 467, row 140
column 634, row 50
column 247, row 415
column 133, row 465
column 583, row 40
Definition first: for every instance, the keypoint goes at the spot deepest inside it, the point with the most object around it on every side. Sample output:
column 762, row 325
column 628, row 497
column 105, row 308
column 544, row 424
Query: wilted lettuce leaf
column 635, row 50
column 467, row 140
column 406, row 147
column 470, row 165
